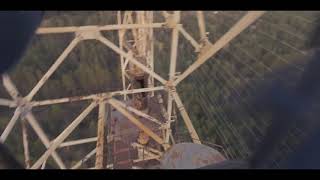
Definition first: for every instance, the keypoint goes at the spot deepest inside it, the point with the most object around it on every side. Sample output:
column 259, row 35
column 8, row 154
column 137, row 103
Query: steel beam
column 77, row 142
column 25, row 144
column 151, row 55
column 53, row 68
column 193, row 133
column 131, row 59
column 44, row 164
column 172, row 71
column 122, row 66
column 86, row 158
column 147, row 148
column 139, row 113
column 192, row 41
column 147, row 159
column 101, row 135
column 94, row 96
column 9, row 86
column 58, row 140
column 10, row 125
column 44, row 139
column 241, row 25
column 73, row 29
column 202, row 25
column 7, row 102
column 136, row 122
column 14, row 93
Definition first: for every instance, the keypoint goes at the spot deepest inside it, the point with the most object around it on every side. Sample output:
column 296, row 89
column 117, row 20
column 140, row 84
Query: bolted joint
column 21, row 101
column 88, row 32
column 204, row 41
column 205, row 45
column 171, row 21
column 25, row 109
column 164, row 126
column 170, row 87
column 103, row 97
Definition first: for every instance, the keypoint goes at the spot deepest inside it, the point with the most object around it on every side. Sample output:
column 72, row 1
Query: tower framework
column 140, row 83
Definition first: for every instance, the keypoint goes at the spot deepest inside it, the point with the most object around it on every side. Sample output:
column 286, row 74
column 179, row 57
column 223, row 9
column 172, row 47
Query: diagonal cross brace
column 12, row 90
column 240, row 26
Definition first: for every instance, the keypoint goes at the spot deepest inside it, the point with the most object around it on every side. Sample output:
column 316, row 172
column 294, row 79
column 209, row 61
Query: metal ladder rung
column 122, row 150
column 124, row 162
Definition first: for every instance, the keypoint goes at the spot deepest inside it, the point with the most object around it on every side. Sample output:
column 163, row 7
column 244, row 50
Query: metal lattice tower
column 135, row 31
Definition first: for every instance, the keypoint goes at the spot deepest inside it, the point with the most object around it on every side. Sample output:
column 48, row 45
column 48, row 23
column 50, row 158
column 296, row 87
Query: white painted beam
column 73, row 29
column 7, row 102
column 193, row 133
column 234, row 31
column 77, row 142
column 93, row 96
column 10, row 125
column 58, row 140
column 53, row 68
column 131, row 59
column 85, row 159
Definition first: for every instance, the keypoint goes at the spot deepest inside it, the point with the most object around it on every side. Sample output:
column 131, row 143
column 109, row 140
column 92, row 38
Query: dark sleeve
column 16, row 32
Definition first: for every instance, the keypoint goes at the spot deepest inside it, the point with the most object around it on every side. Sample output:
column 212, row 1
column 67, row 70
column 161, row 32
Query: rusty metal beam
column 101, row 135
column 151, row 157
column 94, row 96
column 137, row 112
column 151, row 53
column 140, row 32
column 155, row 151
column 131, row 59
column 122, row 66
column 136, row 122
column 172, row 71
column 73, row 29
column 147, row 159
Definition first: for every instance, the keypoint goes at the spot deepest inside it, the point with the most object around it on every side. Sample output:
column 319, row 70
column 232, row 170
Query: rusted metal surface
column 73, row 29
column 190, row 156
column 94, row 96
column 125, row 134
column 136, row 41
column 101, row 162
